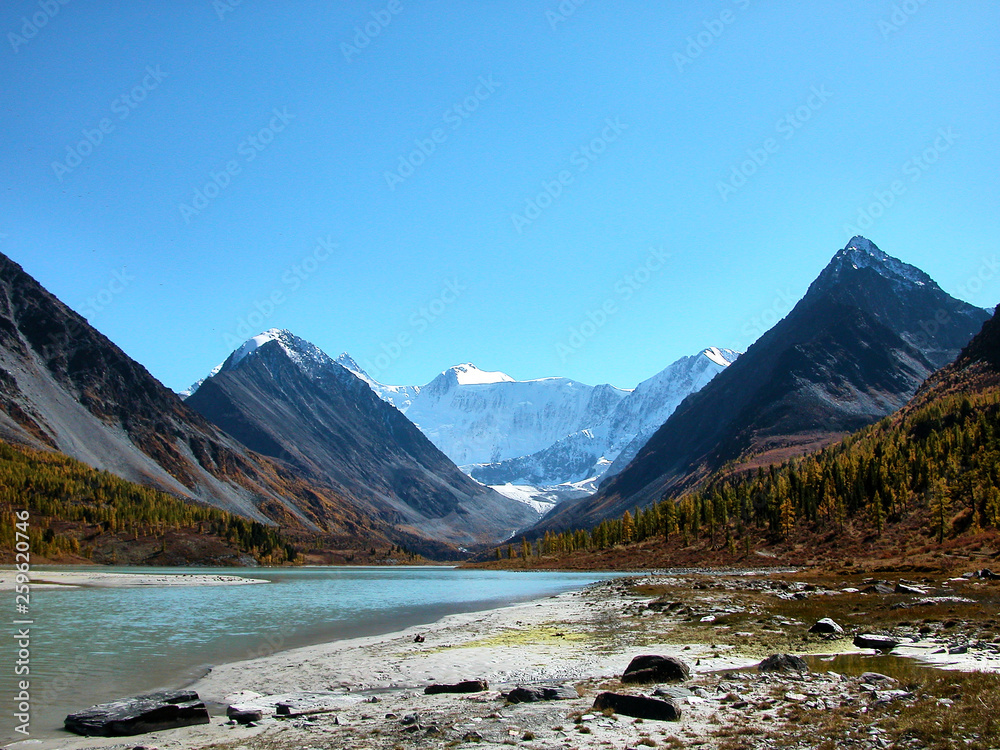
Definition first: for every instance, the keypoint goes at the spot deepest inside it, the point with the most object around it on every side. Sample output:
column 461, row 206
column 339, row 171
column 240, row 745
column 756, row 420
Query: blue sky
column 589, row 189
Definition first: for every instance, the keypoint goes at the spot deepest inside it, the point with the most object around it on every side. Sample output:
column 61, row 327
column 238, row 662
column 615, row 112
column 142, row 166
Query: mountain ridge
column 65, row 386
column 855, row 348
column 283, row 397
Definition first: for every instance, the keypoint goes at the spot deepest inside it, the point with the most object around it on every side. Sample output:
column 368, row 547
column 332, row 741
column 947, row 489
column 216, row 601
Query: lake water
column 90, row 645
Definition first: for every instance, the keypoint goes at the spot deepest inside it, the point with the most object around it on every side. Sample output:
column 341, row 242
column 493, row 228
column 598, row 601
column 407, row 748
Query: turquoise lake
column 90, row 645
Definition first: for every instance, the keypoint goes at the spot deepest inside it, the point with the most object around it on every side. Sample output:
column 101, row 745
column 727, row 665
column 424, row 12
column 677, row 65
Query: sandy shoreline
column 98, row 579
column 583, row 639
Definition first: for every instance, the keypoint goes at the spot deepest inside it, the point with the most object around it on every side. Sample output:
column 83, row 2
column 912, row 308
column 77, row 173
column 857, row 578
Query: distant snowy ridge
column 476, row 416
column 547, row 433
column 607, row 445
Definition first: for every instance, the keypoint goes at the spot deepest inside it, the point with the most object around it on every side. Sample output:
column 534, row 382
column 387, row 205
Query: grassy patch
column 549, row 633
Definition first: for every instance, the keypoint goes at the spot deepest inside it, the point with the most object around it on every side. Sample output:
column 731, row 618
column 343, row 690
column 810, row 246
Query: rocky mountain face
column 857, row 346
column 65, row 387
column 283, row 397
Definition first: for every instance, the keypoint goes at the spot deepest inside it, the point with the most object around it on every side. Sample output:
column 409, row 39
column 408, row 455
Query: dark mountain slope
column 282, row 396
column 857, row 346
column 64, row 386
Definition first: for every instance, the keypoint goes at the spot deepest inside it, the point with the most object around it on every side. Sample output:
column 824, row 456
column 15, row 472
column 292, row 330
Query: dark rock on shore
column 467, row 686
column 877, row 642
column 873, row 678
column 652, row 668
column 639, row 706
column 535, row 693
column 151, row 712
column 782, row 663
column 826, row 626
column 244, row 716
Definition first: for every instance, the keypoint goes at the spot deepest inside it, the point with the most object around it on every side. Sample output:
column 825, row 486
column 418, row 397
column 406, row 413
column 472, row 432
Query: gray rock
column 656, row 669
column 877, row 642
column 783, row 663
column 873, row 677
column 467, row 686
column 244, row 716
column 535, row 693
column 878, row 588
column 826, row 626
column 639, row 706
column 151, row 712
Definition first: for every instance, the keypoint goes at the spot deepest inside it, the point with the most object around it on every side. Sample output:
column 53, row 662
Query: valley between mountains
column 285, row 454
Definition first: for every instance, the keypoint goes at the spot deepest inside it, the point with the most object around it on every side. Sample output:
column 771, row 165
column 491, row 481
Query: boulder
column 639, row 706
column 878, row 588
column 877, row 642
column 872, row 678
column 782, row 663
column 244, row 716
column 151, row 712
column 826, row 626
column 467, row 686
column 656, row 669
column 535, row 693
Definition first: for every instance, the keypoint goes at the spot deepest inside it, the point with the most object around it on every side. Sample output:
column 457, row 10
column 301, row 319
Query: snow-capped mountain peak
column 861, row 252
column 469, row 374
column 309, row 357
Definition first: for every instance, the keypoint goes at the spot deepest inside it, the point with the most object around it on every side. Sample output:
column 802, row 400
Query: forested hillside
column 79, row 513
